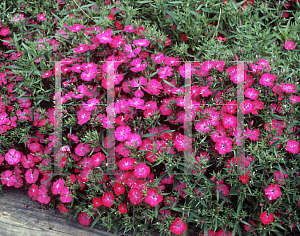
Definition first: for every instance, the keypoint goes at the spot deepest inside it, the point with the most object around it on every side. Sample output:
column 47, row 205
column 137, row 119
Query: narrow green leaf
column 95, row 221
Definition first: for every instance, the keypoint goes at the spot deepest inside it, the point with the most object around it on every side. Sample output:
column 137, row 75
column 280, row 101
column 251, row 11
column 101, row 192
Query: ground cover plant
column 149, row 42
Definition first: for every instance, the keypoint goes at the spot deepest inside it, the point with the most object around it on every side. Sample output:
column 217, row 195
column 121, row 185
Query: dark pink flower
column 47, row 74
column 84, row 219
column 108, row 199
column 153, row 198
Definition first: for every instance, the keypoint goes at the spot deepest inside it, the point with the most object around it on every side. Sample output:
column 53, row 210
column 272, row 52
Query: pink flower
column 224, row 145
column 32, row 177
column 229, row 121
column 273, row 191
column 57, row 186
column 2, row 159
column 123, row 133
column 141, row 170
column 13, row 157
column 220, row 65
column 138, row 65
column 105, row 37
column 76, row 28
column 153, row 198
column 183, row 143
column 288, row 88
column 42, row 195
column 251, row 93
column 266, row 79
column 82, row 48
column 47, row 74
column 63, row 208
column 122, row 150
column 83, row 116
column 33, row 190
column 135, row 195
column 81, row 149
column 97, row 159
column 292, row 146
column 41, row 17
column 134, row 141
column 294, row 99
column 107, row 199
column 84, row 219
column 91, row 104
column 265, row 218
column 127, row 163
column 253, row 135
column 35, row 147
column 184, row 72
column 289, row 45
column 202, row 126
column 8, row 178
column 178, row 226
column 4, row 31
column 129, row 28
column 141, row 42
column 65, row 195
